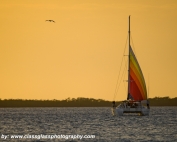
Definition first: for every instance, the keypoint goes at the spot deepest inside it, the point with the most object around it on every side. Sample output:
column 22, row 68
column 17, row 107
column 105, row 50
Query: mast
column 128, row 60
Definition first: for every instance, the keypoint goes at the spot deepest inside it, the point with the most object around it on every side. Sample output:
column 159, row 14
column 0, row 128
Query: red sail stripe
column 135, row 92
column 135, row 80
column 134, row 73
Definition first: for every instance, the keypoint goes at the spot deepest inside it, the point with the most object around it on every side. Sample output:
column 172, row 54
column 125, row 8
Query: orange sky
column 80, row 54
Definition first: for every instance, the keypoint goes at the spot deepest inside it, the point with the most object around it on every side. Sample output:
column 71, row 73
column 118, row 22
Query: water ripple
column 160, row 125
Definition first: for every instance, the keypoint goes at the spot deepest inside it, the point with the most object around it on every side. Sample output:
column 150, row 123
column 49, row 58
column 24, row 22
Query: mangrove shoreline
column 79, row 102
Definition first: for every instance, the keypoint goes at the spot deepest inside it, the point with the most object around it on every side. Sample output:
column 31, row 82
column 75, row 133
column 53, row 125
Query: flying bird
column 50, row 21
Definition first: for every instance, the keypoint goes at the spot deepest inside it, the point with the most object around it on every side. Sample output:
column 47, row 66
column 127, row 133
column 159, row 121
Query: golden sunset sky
column 80, row 54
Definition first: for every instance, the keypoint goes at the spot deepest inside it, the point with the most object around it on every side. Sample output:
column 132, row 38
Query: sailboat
column 137, row 101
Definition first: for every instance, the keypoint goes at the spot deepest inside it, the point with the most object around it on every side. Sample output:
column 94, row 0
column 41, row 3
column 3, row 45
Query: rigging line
column 125, row 87
column 120, row 69
column 126, row 62
column 121, row 78
column 124, row 78
column 123, row 74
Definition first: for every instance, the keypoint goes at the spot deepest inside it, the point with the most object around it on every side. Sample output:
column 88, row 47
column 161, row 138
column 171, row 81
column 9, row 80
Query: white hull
column 122, row 108
column 140, row 111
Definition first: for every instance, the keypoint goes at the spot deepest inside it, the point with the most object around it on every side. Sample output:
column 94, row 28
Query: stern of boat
column 134, row 107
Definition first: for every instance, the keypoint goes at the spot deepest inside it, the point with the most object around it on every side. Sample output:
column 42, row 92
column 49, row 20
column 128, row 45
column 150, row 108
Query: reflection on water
column 160, row 125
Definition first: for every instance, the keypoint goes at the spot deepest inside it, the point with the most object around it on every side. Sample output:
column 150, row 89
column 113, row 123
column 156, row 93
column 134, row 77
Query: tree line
column 80, row 102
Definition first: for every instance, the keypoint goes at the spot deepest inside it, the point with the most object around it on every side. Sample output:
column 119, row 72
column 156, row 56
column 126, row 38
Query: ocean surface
column 33, row 123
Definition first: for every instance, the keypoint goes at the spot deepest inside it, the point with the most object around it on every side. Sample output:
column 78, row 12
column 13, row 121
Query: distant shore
column 79, row 102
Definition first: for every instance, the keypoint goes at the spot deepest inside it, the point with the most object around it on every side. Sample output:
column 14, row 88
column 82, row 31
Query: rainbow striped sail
column 137, row 88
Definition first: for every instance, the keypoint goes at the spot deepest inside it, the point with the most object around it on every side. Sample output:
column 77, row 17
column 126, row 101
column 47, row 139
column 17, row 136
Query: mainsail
column 137, row 87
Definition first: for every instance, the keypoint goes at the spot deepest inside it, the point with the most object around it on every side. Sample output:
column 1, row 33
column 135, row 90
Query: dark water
column 160, row 125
